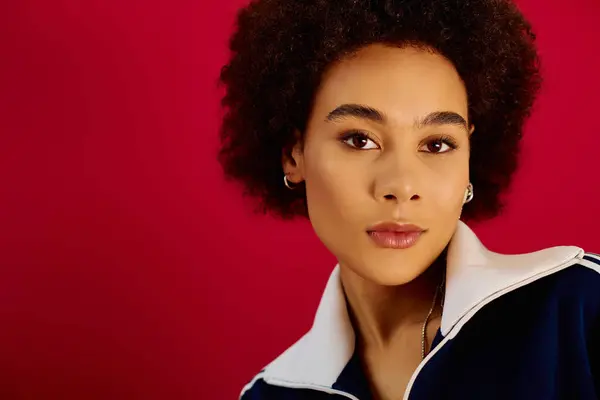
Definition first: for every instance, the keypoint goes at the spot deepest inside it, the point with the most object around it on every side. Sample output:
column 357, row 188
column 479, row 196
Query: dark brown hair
column 281, row 48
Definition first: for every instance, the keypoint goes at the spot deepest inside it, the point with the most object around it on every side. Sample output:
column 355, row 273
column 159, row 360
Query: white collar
column 474, row 274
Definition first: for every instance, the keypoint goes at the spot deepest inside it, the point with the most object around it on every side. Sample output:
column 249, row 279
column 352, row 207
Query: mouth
column 394, row 235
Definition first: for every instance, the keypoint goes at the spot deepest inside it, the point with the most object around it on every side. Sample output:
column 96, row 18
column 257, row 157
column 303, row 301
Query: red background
column 129, row 269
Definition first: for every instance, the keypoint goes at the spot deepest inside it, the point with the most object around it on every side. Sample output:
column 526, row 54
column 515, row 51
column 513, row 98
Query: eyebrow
column 442, row 118
column 372, row 114
column 356, row 111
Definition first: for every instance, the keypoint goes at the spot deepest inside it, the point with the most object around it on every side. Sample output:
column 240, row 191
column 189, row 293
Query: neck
column 381, row 312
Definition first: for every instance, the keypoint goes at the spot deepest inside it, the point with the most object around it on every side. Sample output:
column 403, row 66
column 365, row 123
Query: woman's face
column 387, row 141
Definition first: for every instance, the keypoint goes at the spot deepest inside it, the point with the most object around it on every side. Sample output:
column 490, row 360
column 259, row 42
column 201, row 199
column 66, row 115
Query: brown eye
column 359, row 141
column 435, row 146
column 439, row 145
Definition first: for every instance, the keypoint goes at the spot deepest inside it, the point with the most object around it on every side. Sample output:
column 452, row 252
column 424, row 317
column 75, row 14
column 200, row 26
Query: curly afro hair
column 282, row 47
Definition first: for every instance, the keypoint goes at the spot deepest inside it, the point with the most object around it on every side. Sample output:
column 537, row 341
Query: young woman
column 388, row 124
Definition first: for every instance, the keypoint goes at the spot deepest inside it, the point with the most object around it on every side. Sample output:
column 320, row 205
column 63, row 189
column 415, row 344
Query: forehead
column 404, row 83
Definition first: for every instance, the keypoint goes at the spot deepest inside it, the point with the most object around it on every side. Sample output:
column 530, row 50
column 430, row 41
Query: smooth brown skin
column 401, row 172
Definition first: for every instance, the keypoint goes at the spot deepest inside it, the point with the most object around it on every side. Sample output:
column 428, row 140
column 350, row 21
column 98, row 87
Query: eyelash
column 445, row 139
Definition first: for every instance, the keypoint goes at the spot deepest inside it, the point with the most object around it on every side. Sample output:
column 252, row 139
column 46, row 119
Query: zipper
column 465, row 318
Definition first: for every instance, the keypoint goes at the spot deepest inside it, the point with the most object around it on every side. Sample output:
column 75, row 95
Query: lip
column 393, row 235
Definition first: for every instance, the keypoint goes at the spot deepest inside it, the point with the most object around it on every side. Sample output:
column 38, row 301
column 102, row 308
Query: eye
column 439, row 145
column 359, row 141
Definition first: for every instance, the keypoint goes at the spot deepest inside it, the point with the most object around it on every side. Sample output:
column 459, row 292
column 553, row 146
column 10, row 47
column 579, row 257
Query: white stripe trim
column 324, row 389
column 590, row 264
column 456, row 328
column 295, row 385
column 475, row 276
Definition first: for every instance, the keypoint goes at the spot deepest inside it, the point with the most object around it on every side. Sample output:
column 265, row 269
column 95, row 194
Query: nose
column 398, row 179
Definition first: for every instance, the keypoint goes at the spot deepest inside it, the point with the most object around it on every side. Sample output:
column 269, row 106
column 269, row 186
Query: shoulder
column 283, row 369
column 257, row 389
column 577, row 287
column 591, row 261
column 583, row 277
column 312, row 365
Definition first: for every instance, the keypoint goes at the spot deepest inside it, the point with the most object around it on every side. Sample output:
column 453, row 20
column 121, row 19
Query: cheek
column 445, row 186
column 448, row 193
column 334, row 185
column 337, row 197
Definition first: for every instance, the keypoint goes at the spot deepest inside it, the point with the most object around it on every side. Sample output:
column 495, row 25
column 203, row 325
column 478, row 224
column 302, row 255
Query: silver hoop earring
column 287, row 183
column 469, row 194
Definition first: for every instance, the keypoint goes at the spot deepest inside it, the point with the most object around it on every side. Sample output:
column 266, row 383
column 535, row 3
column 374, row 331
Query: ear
column 292, row 160
column 471, row 130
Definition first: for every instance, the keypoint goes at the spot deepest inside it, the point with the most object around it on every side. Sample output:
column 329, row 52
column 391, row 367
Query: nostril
column 394, row 197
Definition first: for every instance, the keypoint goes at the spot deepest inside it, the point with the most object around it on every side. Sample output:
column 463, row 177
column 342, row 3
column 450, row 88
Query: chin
column 390, row 272
column 393, row 278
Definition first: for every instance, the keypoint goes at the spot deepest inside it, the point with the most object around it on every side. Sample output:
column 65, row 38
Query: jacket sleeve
column 594, row 353
column 594, row 333
column 592, row 300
